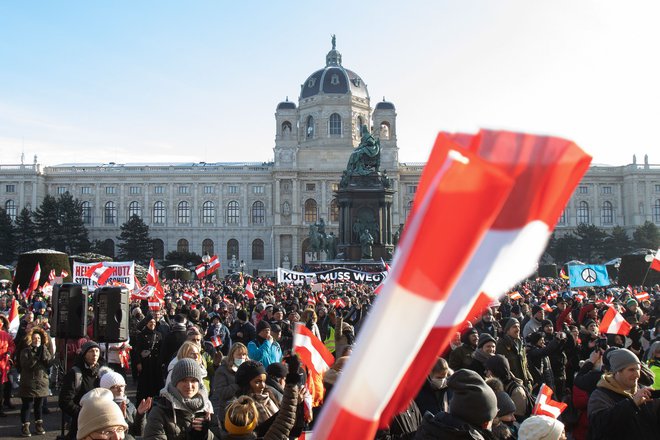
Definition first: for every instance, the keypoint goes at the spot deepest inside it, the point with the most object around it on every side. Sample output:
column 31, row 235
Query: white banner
column 124, row 272
column 291, row 277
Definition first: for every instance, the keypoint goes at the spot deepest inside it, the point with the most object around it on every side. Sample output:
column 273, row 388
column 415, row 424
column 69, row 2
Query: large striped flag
column 13, row 318
column 655, row 264
column 316, row 357
column 99, row 274
column 249, row 291
column 204, row 270
column 34, row 282
column 545, row 406
column 614, row 323
column 442, row 291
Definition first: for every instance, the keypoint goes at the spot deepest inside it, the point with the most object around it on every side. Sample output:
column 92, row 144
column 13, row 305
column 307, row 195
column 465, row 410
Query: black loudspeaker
column 111, row 314
column 69, row 311
column 547, row 271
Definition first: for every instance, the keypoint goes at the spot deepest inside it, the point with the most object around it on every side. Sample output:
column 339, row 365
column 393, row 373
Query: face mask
column 238, row 362
column 440, row 383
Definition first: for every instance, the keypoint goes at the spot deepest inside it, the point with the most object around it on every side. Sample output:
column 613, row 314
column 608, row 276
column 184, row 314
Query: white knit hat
column 540, row 428
column 98, row 412
column 112, row 378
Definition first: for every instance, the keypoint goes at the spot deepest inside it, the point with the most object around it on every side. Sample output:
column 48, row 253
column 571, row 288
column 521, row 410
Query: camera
column 602, row 344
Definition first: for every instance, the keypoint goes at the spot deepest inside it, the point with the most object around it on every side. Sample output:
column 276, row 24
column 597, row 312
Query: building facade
column 260, row 212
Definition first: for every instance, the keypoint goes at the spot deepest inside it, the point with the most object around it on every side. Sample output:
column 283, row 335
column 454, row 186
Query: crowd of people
column 211, row 362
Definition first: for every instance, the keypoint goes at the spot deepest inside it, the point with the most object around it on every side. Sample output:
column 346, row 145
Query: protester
column 541, row 428
column 224, row 381
column 35, row 359
column 100, row 417
column 134, row 417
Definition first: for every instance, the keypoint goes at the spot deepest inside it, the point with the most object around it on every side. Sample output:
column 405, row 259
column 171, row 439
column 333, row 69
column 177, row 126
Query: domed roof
column 286, row 105
column 334, row 79
column 384, row 105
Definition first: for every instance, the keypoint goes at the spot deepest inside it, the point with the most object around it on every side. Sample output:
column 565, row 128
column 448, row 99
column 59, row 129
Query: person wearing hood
column 619, row 408
column 461, row 356
column 498, row 366
column 434, row 395
column 183, row 410
column 134, row 417
column 485, row 349
column 505, row 426
column 148, row 344
column 511, row 346
column 35, row 359
column 471, row 411
column 81, row 378
column 264, row 348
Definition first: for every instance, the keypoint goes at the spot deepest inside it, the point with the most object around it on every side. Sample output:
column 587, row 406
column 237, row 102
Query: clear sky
column 188, row 81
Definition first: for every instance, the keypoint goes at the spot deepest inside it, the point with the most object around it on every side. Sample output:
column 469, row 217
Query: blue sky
column 173, row 81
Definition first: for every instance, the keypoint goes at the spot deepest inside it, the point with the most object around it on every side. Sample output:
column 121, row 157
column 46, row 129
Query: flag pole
column 648, row 269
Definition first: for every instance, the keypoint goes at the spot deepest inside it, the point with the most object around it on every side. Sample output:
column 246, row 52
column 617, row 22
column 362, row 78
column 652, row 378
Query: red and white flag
column 145, row 292
column 154, row 280
column 212, row 266
column 642, row 296
column 249, row 292
column 216, row 341
column 609, row 300
column 154, row 304
column 99, row 274
column 311, row 300
column 614, row 323
column 313, row 353
column 515, row 296
column 64, row 273
column 34, row 282
column 51, row 275
column 546, row 307
column 338, row 303
column 13, row 319
column 655, row 264
column 545, row 406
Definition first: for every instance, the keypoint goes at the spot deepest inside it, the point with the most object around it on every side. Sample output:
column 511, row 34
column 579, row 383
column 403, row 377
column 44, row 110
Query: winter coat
column 34, row 363
column 135, row 421
column 461, row 357
column 224, row 390
column 432, row 399
column 220, row 330
column 539, row 363
column 169, row 420
column 514, row 351
column 246, row 329
column 147, row 349
column 447, row 427
column 7, row 348
column 266, row 352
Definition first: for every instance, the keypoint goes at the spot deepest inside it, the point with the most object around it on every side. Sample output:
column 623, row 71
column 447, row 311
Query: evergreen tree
column 25, row 232
column 647, row 236
column 564, row 249
column 72, row 229
column 185, row 259
column 134, row 241
column 47, row 226
column 591, row 243
column 7, row 238
column 617, row 243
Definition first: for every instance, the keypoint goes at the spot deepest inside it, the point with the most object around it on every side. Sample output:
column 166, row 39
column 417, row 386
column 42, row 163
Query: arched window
column 108, row 248
column 233, row 212
column 159, row 213
column 384, row 131
column 207, row 247
column 583, row 213
column 258, row 249
column 258, row 212
column 10, row 207
column 159, row 249
column 182, row 246
column 334, row 211
column 311, row 211
column 134, row 209
column 183, row 213
column 86, row 211
column 232, row 249
column 562, row 218
column 309, row 127
column 110, row 214
column 208, row 213
column 335, row 125
column 607, row 215
column 656, row 211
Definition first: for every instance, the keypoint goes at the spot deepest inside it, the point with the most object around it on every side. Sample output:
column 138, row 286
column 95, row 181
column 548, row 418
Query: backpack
column 531, row 401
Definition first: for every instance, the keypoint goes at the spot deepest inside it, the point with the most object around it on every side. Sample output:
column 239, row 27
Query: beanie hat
column 465, row 335
column 504, row 404
column 621, row 358
column 540, row 428
column 88, row 346
column 485, row 337
column 275, row 328
column 186, row 368
column 263, row 324
column 546, row 322
column 535, row 337
column 510, row 323
column 588, row 322
column 631, row 302
column 515, row 309
column 110, row 379
column 278, row 370
column 247, row 371
column 499, row 366
column 98, row 411
column 535, row 309
column 473, row 400
column 242, row 315
column 194, row 314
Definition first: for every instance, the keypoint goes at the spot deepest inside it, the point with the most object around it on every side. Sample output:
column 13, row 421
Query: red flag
column 614, row 323
column 655, row 264
column 515, row 296
column 313, row 353
column 99, row 273
column 212, row 265
column 642, row 296
column 609, row 300
column 545, row 406
column 14, row 322
column 154, row 280
column 248, row 289
column 546, row 307
column 34, row 282
column 338, row 303
column 51, row 275
column 216, row 341
column 64, row 274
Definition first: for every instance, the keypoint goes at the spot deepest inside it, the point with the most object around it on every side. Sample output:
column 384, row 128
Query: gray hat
column 88, row 346
column 186, row 368
column 473, row 400
column 510, row 323
column 622, row 358
column 504, row 404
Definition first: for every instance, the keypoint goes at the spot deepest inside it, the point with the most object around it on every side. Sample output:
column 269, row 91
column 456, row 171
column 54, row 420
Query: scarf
column 194, row 404
column 481, row 356
column 266, row 406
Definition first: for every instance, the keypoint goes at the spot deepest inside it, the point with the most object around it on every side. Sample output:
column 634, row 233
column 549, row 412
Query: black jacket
column 447, row 427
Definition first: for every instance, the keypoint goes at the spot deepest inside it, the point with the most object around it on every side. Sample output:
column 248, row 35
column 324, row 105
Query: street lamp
column 206, row 259
column 242, row 265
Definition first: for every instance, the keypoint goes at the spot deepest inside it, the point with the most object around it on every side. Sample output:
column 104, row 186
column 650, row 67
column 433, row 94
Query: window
column 10, row 208
column 583, row 213
column 310, row 187
column 61, row 189
column 607, row 215
column 159, row 213
column 86, row 190
column 159, row 249
column 334, row 79
column 86, row 208
column 657, row 188
column 207, row 247
column 384, row 131
column 607, row 190
column 134, row 190
column 110, row 190
column 232, row 189
column 183, row 213
column 656, row 211
column 409, row 208
column 110, row 213
column 412, row 189
column 335, row 125
column 258, row 249
column 286, row 128
column 258, row 189
column 311, row 212
column 159, row 190
column 10, row 188
column 134, row 209
column 562, row 217
column 208, row 213
column 309, row 127
column 233, row 212
column 232, row 249
column 258, row 212
column 183, row 189
column 182, row 246
column 209, row 189
column 583, row 189
column 334, row 211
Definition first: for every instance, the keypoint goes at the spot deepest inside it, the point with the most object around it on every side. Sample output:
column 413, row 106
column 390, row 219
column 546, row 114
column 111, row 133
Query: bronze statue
column 366, row 242
column 365, row 159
